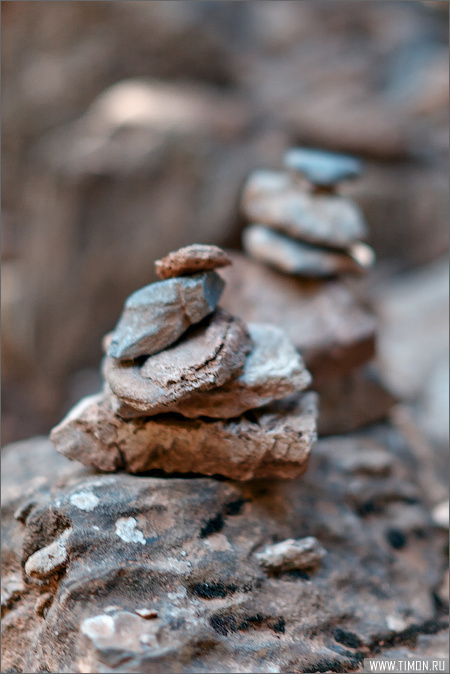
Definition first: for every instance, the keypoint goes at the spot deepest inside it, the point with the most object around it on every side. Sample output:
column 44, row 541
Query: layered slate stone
column 322, row 168
column 323, row 219
column 208, row 356
column 296, row 257
column 190, row 260
column 155, row 316
column 274, row 442
column 273, row 370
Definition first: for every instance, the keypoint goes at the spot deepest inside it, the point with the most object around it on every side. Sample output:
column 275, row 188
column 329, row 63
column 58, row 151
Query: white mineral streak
column 127, row 531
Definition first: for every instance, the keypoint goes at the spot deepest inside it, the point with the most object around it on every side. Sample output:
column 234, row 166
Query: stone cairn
column 304, row 243
column 189, row 388
column 303, row 226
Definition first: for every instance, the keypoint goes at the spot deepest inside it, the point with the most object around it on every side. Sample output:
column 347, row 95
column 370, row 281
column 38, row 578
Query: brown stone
column 190, row 260
column 273, row 369
column 323, row 319
column 274, row 441
column 207, row 356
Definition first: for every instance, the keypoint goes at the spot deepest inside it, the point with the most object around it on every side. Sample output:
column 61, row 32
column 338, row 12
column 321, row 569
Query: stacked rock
column 301, row 224
column 190, row 388
column 305, row 237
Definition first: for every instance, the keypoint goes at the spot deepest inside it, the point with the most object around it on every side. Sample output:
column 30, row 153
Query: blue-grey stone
column 274, row 200
column 158, row 314
column 322, row 168
column 295, row 257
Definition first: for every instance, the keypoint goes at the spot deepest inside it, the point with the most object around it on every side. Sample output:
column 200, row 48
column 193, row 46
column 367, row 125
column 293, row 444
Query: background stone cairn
column 303, row 226
column 189, row 388
column 304, row 248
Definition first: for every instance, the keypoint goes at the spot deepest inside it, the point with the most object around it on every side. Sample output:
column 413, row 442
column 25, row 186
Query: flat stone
column 207, row 356
column 274, row 442
column 322, row 168
column 155, row 316
column 291, row 554
column 330, row 220
column 295, row 257
column 273, row 370
column 190, row 260
column 322, row 318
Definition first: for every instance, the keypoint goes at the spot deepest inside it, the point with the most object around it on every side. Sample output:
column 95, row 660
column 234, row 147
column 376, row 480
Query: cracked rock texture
column 211, row 354
column 272, row 370
column 273, row 441
column 162, row 573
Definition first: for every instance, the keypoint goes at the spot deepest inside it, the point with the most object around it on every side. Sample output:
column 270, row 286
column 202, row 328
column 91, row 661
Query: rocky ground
column 162, row 573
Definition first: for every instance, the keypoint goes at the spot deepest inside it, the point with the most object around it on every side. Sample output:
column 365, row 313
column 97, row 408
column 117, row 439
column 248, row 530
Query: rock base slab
column 274, row 441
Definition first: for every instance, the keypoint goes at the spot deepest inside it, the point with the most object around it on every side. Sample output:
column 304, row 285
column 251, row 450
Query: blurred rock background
column 129, row 127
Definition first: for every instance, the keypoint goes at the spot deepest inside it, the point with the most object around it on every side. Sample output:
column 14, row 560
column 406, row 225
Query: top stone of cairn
column 324, row 169
column 190, row 260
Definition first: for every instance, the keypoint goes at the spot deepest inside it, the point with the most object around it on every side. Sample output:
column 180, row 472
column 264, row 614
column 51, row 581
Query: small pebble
column 49, row 560
column 291, row 554
column 440, row 515
column 190, row 260
column 147, row 613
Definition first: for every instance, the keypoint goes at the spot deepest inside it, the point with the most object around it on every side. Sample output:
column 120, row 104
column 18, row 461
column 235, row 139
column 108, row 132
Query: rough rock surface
column 158, row 314
column 274, row 441
column 161, row 573
column 352, row 401
column 296, row 257
column 273, row 369
column 322, row 168
column 324, row 320
column 330, row 220
column 208, row 356
column 191, row 259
